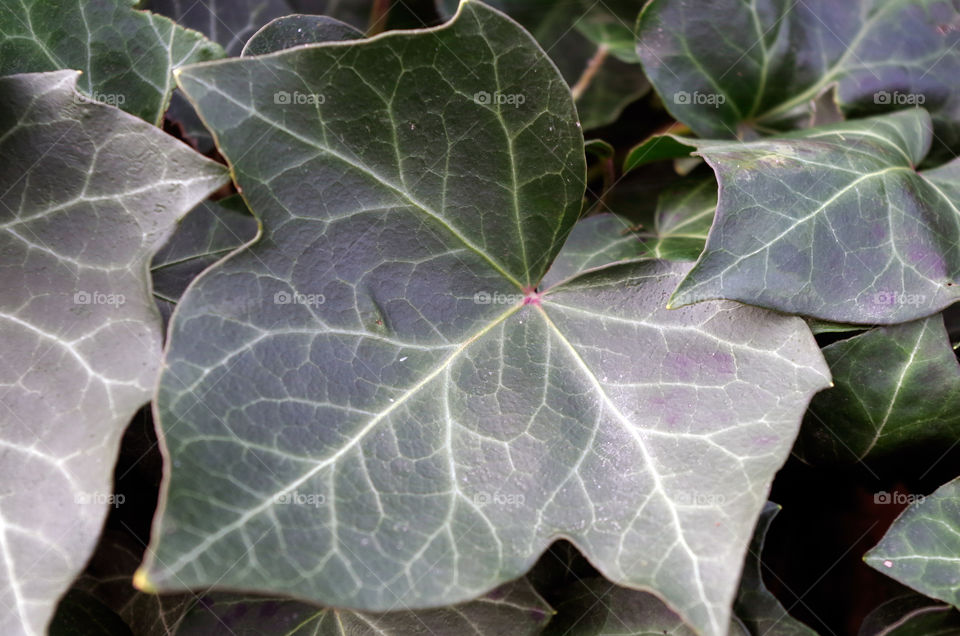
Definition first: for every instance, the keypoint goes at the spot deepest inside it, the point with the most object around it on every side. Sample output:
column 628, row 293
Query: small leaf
column 403, row 417
column 595, row 607
column 756, row 606
column 295, row 30
column 515, row 609
column 895, row 387
column 922, row 547
column 126, row 56
column 730, row 68
column 683, row 219
column 88, row 194
column 594, row 242
column 208, row 233
column 833, row 223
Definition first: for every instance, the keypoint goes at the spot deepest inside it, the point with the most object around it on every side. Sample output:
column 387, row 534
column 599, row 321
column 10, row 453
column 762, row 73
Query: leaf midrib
column 416, row 203
column 354, row 440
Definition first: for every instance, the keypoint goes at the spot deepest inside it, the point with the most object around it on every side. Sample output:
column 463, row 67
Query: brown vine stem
column 378, row 17
column 589, row 72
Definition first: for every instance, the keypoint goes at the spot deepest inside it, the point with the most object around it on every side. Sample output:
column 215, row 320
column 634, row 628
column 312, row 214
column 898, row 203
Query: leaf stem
column 593, row 66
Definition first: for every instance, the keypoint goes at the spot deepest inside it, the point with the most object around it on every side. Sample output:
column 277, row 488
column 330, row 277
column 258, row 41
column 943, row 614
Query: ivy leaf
column 595, row 607
column 911, row 615
column 294, row 30
column 514, row 609
column 756, row 606
column 404, row 418
column 81, row 614
column 895, row 387
column 833, row 223
column 126, row 56
column 921, row 548
column 594, row 242
column 682, row 220
column 208, row 233
column 592, row 44
column 88, row 195
column 729, row 69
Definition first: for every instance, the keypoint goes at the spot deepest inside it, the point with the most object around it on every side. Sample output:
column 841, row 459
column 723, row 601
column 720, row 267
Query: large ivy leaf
column 894, row 387
column 88, row 193
column 126, row 56
column 911, row 615
column 438, row 419
column 728, row 66
column 756, row 606
column 595, row 607
column 834, row 223
column 922, row 547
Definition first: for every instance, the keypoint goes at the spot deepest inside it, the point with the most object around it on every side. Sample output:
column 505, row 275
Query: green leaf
column 208, row 233
column 80, row 614
column 294, row 30
column 592, row 44
column 833, row 223
column 126, row 56
column 683, row 219
column 911, row 615
column 88, row 194
column 514, row 609
column 895, row 387
column 595, row 607
column 730, row 68
column 403, row 418
column 922, row 547
column 756, row 606
column 594, row 242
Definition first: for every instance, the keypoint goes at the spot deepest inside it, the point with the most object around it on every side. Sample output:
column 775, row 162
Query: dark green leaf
column 833, row 223
column 514, row 609
column 402, row 418
column 208, row 233
column 595, row 607
column 126, row 56
column 911, row 615
column 592, row 44
column 80, row 614
column 756, row 606
column 294, row 30
column 922, row 547
column 729, row 68
column 88, row 194
column 895, row 387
